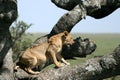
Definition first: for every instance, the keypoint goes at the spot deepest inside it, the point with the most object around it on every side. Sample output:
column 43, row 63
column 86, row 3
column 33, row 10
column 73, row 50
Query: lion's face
column 67, row 39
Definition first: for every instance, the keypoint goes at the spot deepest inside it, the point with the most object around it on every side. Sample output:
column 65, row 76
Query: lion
column 39, row 55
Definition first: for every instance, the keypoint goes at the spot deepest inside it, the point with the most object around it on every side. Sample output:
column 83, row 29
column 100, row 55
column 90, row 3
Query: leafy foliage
column 19, row 41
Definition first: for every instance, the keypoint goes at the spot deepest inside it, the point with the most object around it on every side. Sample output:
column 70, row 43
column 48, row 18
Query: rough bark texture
column 8, row 13
column 93, row 69
column 78, row 9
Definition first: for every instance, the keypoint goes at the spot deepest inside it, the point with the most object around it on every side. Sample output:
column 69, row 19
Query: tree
column 78, row 11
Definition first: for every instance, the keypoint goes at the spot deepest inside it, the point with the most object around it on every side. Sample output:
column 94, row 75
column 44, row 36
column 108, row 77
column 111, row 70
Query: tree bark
column 93, row 69
column 78, row 9
column 8, row 13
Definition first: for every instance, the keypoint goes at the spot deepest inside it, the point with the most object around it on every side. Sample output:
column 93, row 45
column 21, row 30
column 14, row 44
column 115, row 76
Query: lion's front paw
column 59, row 65
column 67, row 63
column 36, row 72
column 64, row 64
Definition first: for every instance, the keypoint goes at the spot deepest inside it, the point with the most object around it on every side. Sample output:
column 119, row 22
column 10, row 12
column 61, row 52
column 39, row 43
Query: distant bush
column 20, row 42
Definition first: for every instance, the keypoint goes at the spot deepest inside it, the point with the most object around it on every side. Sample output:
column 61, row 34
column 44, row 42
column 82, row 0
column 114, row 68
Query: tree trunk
column 6, row 65
column 8, row 13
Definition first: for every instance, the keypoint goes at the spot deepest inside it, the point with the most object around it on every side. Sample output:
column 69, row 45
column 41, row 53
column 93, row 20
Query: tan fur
column 40, row 54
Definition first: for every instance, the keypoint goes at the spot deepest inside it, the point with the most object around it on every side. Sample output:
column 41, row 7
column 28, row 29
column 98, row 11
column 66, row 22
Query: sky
column 43, row 14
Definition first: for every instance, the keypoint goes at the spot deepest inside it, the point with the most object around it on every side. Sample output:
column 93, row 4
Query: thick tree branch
column 69, row 20
column 78, row 9
column 93, row 69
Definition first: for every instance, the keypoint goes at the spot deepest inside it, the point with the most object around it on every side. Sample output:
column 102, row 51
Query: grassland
column 106, row 43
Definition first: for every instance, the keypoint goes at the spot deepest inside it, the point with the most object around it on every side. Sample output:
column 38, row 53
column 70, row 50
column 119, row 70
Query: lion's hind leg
column 32, row 64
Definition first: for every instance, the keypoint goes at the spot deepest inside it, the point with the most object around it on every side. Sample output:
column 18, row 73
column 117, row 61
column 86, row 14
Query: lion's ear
column 66, row 33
